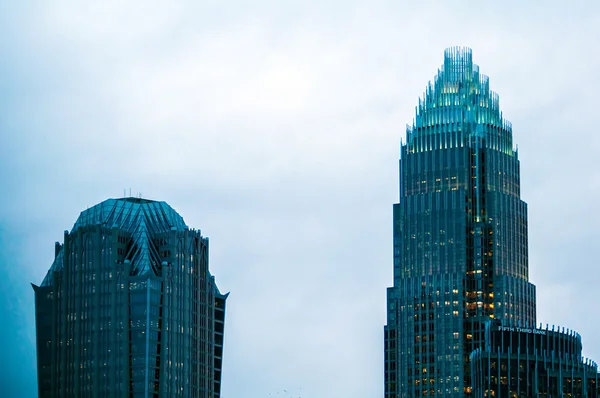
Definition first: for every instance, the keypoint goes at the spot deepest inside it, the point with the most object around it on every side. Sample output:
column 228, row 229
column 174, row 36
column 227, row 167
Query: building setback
column 129, row 307
column 460, row 235
column 530, row 362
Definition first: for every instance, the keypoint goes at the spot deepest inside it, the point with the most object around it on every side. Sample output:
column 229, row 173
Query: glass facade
column 530, row 362
column 460, row 235
column 129, row 307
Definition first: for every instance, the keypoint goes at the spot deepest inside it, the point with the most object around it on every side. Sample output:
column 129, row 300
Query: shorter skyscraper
column 530, row 362
column 129, row 308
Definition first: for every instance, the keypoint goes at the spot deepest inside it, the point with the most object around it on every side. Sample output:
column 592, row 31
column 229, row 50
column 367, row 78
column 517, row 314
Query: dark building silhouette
column 460, row 235
column 129, row 308
column 530, row 362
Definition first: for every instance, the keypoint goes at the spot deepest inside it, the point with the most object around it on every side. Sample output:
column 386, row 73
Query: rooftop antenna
column 129, row 192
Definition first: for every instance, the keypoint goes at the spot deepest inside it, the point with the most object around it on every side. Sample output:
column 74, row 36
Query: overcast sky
column 274, row 127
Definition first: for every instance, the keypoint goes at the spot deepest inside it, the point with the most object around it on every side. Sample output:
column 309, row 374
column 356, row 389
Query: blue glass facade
column 532, row 362
column 129, row 308
column 460, row 235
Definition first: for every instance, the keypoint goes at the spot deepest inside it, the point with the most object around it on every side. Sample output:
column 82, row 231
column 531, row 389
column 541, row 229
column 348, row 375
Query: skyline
column 283, row 148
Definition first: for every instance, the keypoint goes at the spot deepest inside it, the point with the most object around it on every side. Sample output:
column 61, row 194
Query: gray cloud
column 275, row 129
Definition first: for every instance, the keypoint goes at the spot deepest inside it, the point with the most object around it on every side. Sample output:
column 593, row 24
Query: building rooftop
column 142, row 218
column 127, row 213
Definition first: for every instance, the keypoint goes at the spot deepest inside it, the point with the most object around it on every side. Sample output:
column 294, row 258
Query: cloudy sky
column 274, row 127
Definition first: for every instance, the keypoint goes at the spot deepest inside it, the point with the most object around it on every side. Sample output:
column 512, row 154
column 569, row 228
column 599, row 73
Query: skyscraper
column 129, row 307
column 460, row 235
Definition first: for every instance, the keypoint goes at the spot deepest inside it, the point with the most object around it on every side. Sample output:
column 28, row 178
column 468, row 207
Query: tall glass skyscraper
column 460, row 235
column 129, row 308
